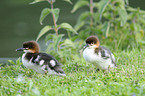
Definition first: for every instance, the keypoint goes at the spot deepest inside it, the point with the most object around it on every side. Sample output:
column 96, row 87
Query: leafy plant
column 113, row 21
column 55, row 40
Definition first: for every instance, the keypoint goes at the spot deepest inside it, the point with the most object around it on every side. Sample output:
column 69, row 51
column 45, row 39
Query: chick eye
column 92, row 43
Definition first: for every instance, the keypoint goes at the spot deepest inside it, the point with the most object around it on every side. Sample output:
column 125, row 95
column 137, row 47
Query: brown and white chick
column 98, row 55
column 40, row 62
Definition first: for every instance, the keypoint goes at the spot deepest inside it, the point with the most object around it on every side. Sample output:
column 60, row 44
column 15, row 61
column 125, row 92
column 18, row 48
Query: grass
column 81, row 80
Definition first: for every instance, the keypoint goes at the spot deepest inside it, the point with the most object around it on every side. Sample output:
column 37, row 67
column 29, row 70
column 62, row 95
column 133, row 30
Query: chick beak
column 20, row 49
column 86, row 45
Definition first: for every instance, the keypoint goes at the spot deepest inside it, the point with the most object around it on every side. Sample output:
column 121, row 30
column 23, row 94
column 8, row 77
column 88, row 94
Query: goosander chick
column 98, row 55
column 40, row 62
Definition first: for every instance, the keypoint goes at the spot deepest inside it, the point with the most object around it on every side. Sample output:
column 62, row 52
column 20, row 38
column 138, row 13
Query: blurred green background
column 20, row 22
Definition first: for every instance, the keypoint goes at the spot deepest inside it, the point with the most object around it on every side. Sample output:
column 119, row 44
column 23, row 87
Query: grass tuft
column 128, row 79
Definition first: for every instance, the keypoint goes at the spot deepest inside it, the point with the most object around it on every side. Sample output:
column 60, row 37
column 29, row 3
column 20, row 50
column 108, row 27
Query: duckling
column 98, row 55
column 40, row 62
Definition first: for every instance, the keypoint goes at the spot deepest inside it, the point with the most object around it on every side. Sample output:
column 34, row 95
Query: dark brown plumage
column 40, row 62
column 32, row 45
column 98, row 55
column 93, row 40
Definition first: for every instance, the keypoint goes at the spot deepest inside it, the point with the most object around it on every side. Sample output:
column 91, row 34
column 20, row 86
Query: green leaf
column 79, row 25
column 54, row 41
column 69, row 1
column 96, row 4
column 141, row 20
column 142, row 42
column 36, row 1
column 106, row 28
column 102, row 5
column 79, row 4
column 49, row 47
column 49, row 37
column 69, row 43
column 68, row 27
column 139, row 35
column 122, row 11
column 44, row 13
column 135, row 10
column 84, row 16
column 139, row 32
column 43, row 31
column 12, row 62
column 18, row 61
column 56, row 13
column 126, row 1
column 57, row 40
column 123, row 15
column 81, row 20
column 137, row 27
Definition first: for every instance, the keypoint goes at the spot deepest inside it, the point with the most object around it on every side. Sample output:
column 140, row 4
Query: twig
column 91, row 11
column 54, row 21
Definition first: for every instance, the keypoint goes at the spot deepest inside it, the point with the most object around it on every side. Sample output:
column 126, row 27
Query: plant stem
column 91, row 11
column 54, row 21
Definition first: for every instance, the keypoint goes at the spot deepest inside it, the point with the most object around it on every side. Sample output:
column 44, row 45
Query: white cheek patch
column 52, row 62
column 41, row 62
column 92, row 46
column 28, row 51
